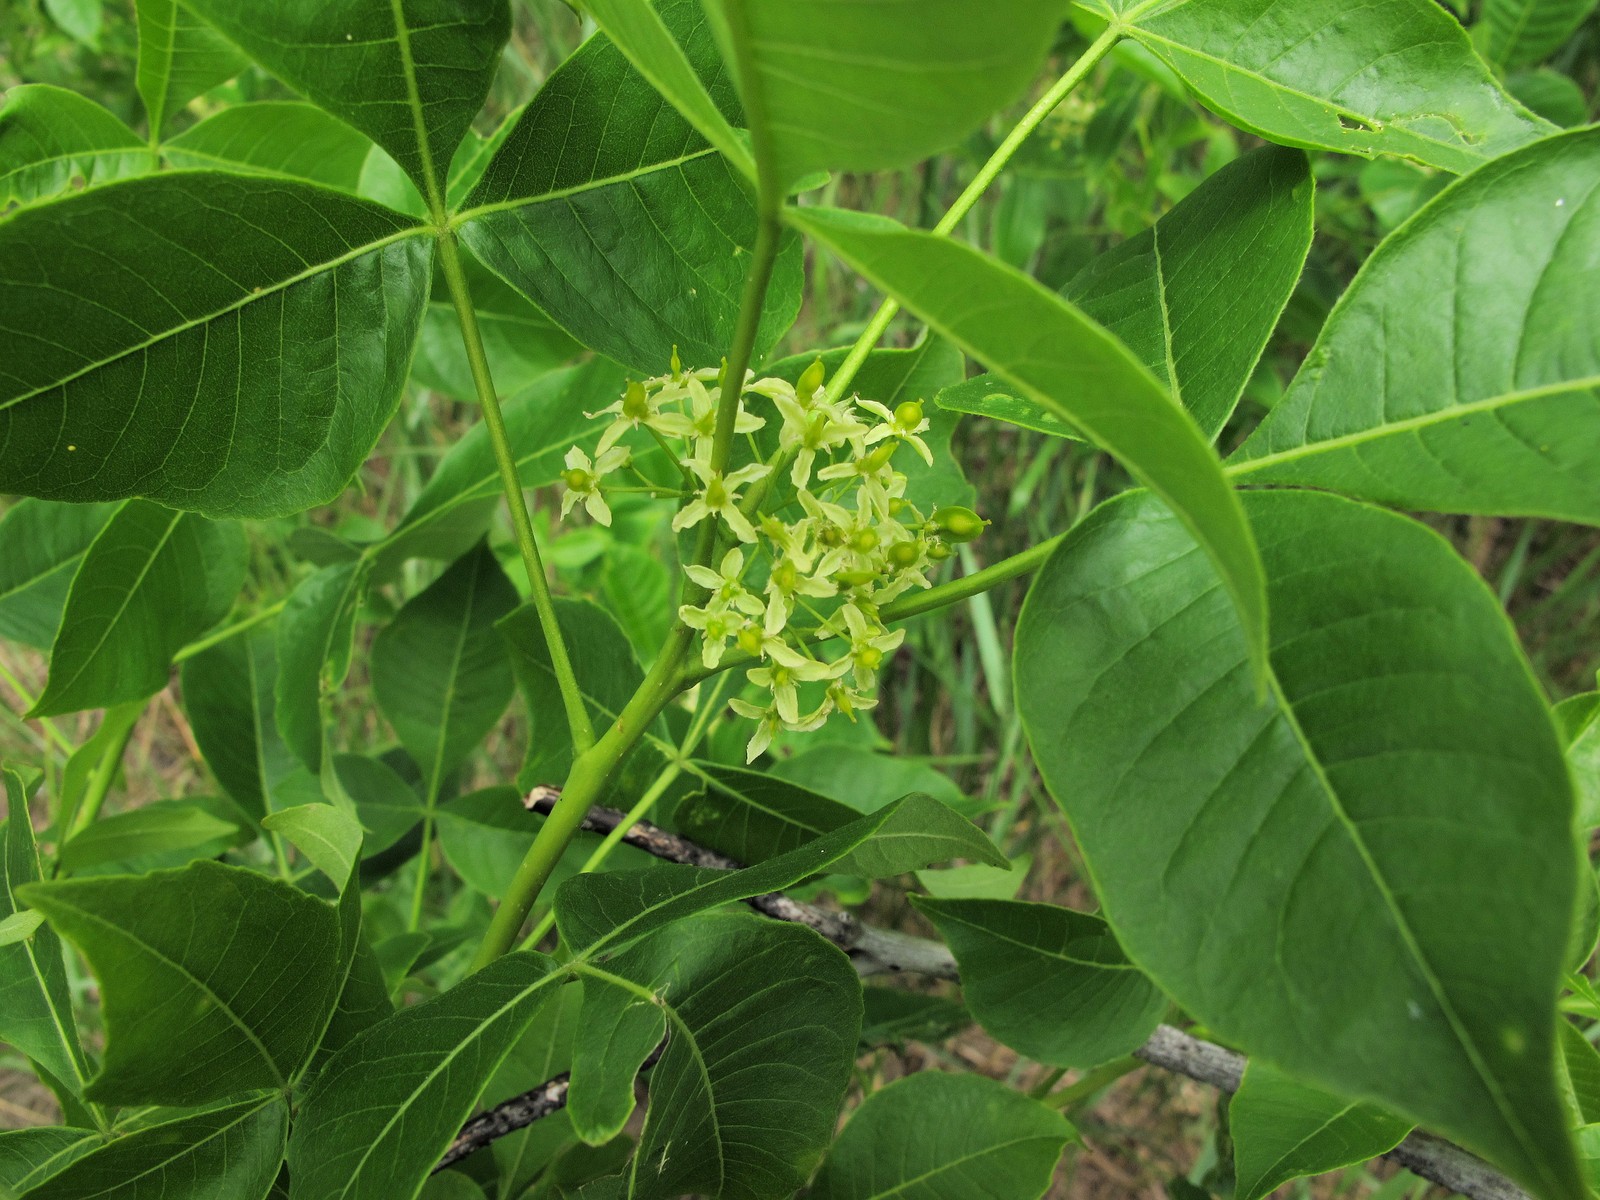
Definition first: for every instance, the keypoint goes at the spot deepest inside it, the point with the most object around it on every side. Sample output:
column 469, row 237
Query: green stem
column 1093, row 1083
column 521, row 521
column 228, row 631
column 100, row 781
column 1031, row 120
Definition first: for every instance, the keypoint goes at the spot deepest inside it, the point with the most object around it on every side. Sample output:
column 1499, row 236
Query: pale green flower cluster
column 852, row 542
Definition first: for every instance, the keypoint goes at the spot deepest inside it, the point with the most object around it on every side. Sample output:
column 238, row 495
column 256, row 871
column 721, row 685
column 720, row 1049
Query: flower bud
column 576, row 479
column 810, row 380
column 677, row 366
column 939, row 551
column 959, row 524
column 909, row 414
column 903, row 556
column 635, row 403
column 879, row 457
column 855, row 578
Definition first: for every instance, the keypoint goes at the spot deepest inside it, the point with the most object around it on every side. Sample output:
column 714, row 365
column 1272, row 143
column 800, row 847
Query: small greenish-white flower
column 638, row 406
column 719, row 497
column 758, row 643
column 769, row 721
column 810, row 431
column 784, row 681
column 699, row 423
column 716, row 627
column 904, row 422
column 725, row 586
column 583, row 478
column 789, row 578
column 849, row 700
column 870, row 644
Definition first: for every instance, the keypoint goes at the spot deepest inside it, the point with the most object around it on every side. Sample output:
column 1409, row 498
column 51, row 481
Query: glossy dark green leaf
column 274, row 137
column 1061, row 359
column 454, row 508
column 214, row 980
column 862, row 87
column 1461, row 371
column 30, row 1156
column 1197, row 295
column 153, row 579
column 1283, row 1129
column 206, row 369
column 1521, row 32
column 41, row 545
column 233, row 1152
column 1401, row 80
column 179, row 59
column 440, row 673
column 411, row 74
column 1402, row 771
column 386, row 805
column 751, row 817
column 614, row 907
column 314, row 638
column 327, row 835
column 1049, row 982
column 522, row 344
column 35, row 1001
column 612, row 215
column 763, row 1021
column 932, row 1136
column 228, row 697
column 385, row 1108
column 145, row 830
column 52, row 139
column 616, row 1032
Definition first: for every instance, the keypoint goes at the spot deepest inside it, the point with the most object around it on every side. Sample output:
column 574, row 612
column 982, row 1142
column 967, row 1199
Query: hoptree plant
column 1330, row 819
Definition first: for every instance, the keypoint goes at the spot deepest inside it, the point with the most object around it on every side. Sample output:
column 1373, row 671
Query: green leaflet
column 314, row 643
column 214, row 979
column 30, row 1156
column 1404, row 770
column 41, row 545
column 613, row 908
column 1049, row 982
column 1522, row 32
column 179, row 59
column 1403, row 80
column 228, row 697
column 274, row 137
column 51, row 138
column 205, row 370
column 35, row 1002
column 152, row 580
column 763, row 1020
column 596, row 149
column 384, row 1109
column 385, row 804
column 157, row 828
column 932, row 1136
column 233, row 1152
column 751, row 816
column 865, row 87
column 1282, row 1130
column 439, row 670
column 411, row 74
column 617, row 1029
column 328, row 836
column 1461, row 371
column 1061, row 359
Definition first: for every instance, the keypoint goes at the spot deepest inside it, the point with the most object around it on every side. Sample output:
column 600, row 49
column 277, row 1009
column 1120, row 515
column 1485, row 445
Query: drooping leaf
column 149, row 829
column 1402, row 80
column 30, row 1156
column 411, row 75
column 610, row 213
column 205, row 368
column 751, row 816
column 1061, row 359
column 1523, row 32
column 617, row 1030
column 453, row 509
column 35, row 1001
column 52, row 139
column 893, row 1017
column 861, row 87
column 484, row 835
column 1197, row 295
column 386, row 805
column 214, row 979
column 326, row 834
column 1461, row 371
column 763, row 1022
column 228, row 698
column 179, row 59
column 41, row 545
column 1283, row 1129
column 614, row 907
column 1403, row 770
column 233, row 1151
column 153, row 579
column 932, row 1136
column 439, row 670
column 274, row 137
column 1049, row 982
column 315, row 633
column 385, row 1108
